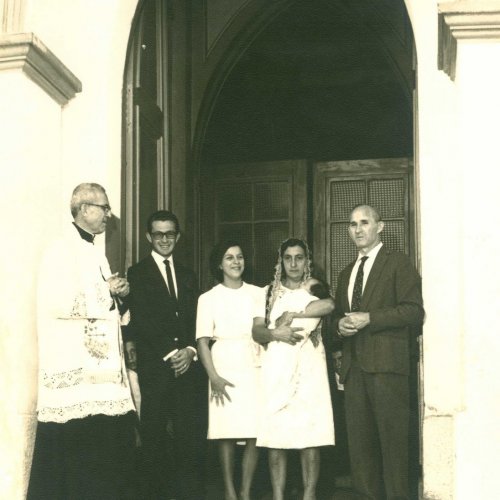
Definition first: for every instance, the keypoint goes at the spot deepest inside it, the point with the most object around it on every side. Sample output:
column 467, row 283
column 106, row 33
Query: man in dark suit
column 378, row 302
column 163, row 299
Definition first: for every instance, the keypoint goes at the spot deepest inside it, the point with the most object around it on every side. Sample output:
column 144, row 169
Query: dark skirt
column 87, row 458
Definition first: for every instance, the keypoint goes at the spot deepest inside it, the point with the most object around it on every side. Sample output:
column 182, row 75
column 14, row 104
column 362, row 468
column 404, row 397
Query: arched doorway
column 305, row 111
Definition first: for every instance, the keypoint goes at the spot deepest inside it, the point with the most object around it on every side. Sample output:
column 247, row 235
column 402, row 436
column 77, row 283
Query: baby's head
column 317, row 288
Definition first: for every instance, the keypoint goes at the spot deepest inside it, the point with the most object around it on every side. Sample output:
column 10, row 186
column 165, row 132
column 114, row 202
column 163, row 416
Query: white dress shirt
column 366, row 269
column 160, row 262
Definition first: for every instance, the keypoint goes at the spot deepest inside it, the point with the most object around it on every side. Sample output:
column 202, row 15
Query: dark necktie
column 357, row 291
column 170, row 280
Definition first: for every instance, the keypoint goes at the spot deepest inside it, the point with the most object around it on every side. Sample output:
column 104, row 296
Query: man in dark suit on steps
column 378, row 301
column 163, row 299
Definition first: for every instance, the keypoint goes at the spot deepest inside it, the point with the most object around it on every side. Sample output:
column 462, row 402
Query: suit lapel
column 373, row 278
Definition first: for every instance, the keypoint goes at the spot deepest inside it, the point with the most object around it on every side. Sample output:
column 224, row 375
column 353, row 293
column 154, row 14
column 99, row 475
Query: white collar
column 372, row 253
column 160, row 259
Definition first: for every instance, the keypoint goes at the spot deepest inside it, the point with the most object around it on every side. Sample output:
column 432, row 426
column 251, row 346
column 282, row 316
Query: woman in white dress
column 297, row 415
column 225, row 315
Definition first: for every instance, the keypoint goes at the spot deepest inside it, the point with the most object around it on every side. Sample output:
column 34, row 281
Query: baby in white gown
column 282, row 358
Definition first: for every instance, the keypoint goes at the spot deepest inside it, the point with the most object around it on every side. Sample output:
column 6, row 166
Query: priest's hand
column 119, row 287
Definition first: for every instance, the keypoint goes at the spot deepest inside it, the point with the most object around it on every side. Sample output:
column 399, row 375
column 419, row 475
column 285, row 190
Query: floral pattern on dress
column 95, row 341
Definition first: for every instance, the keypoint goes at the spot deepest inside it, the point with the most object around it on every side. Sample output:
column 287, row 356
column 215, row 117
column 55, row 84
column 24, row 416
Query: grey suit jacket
column 393, row 297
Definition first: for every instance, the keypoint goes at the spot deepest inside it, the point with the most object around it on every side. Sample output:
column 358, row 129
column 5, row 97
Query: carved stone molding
column 26, row 52
column 465, row 19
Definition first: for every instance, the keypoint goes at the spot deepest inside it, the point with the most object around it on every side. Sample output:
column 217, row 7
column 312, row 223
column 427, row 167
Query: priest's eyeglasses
column 159, row 235
column 106, row 208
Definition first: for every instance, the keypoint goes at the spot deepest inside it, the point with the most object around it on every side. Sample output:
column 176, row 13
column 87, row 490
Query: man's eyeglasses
column 106, row 207
column 159, row 235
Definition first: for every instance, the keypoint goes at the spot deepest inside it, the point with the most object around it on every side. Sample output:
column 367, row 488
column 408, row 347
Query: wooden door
column 145, row 176
column 341, row 185
column 260, row 205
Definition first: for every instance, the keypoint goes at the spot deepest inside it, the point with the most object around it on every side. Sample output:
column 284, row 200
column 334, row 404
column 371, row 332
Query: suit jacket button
column 176, row 339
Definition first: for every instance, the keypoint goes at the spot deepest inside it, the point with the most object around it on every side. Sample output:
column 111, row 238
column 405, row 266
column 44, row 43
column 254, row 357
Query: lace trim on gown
column 85, row 409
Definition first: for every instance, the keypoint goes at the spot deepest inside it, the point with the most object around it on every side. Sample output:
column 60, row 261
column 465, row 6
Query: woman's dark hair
column 218, row 253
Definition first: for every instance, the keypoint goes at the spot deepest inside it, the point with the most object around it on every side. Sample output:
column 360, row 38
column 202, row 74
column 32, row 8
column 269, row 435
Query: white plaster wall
column 30, row 180
column 440, row 187
column 44, row 152
column 458, row 162
column 91, row 37
column 441, row 234
column 478, row 434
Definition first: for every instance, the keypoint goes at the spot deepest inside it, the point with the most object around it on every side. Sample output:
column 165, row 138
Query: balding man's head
column 90, row 207
column 374, row 211
column 365, row 227
column 84, row 193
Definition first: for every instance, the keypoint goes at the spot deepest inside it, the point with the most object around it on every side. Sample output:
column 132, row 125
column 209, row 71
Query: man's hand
column 181, row 361
column 358, row 319
column 287, row 334
column 119, row 287
column 346, row 328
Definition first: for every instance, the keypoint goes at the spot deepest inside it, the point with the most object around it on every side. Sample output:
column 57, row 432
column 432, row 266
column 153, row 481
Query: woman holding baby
column 297, row 411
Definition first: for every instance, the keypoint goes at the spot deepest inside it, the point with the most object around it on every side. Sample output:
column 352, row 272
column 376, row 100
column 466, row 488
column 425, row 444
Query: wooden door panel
column 259, row 204
column 338, row 187
column 268, row 236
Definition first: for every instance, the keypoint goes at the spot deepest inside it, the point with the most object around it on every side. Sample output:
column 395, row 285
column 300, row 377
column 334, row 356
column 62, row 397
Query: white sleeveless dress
column 226, row 316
